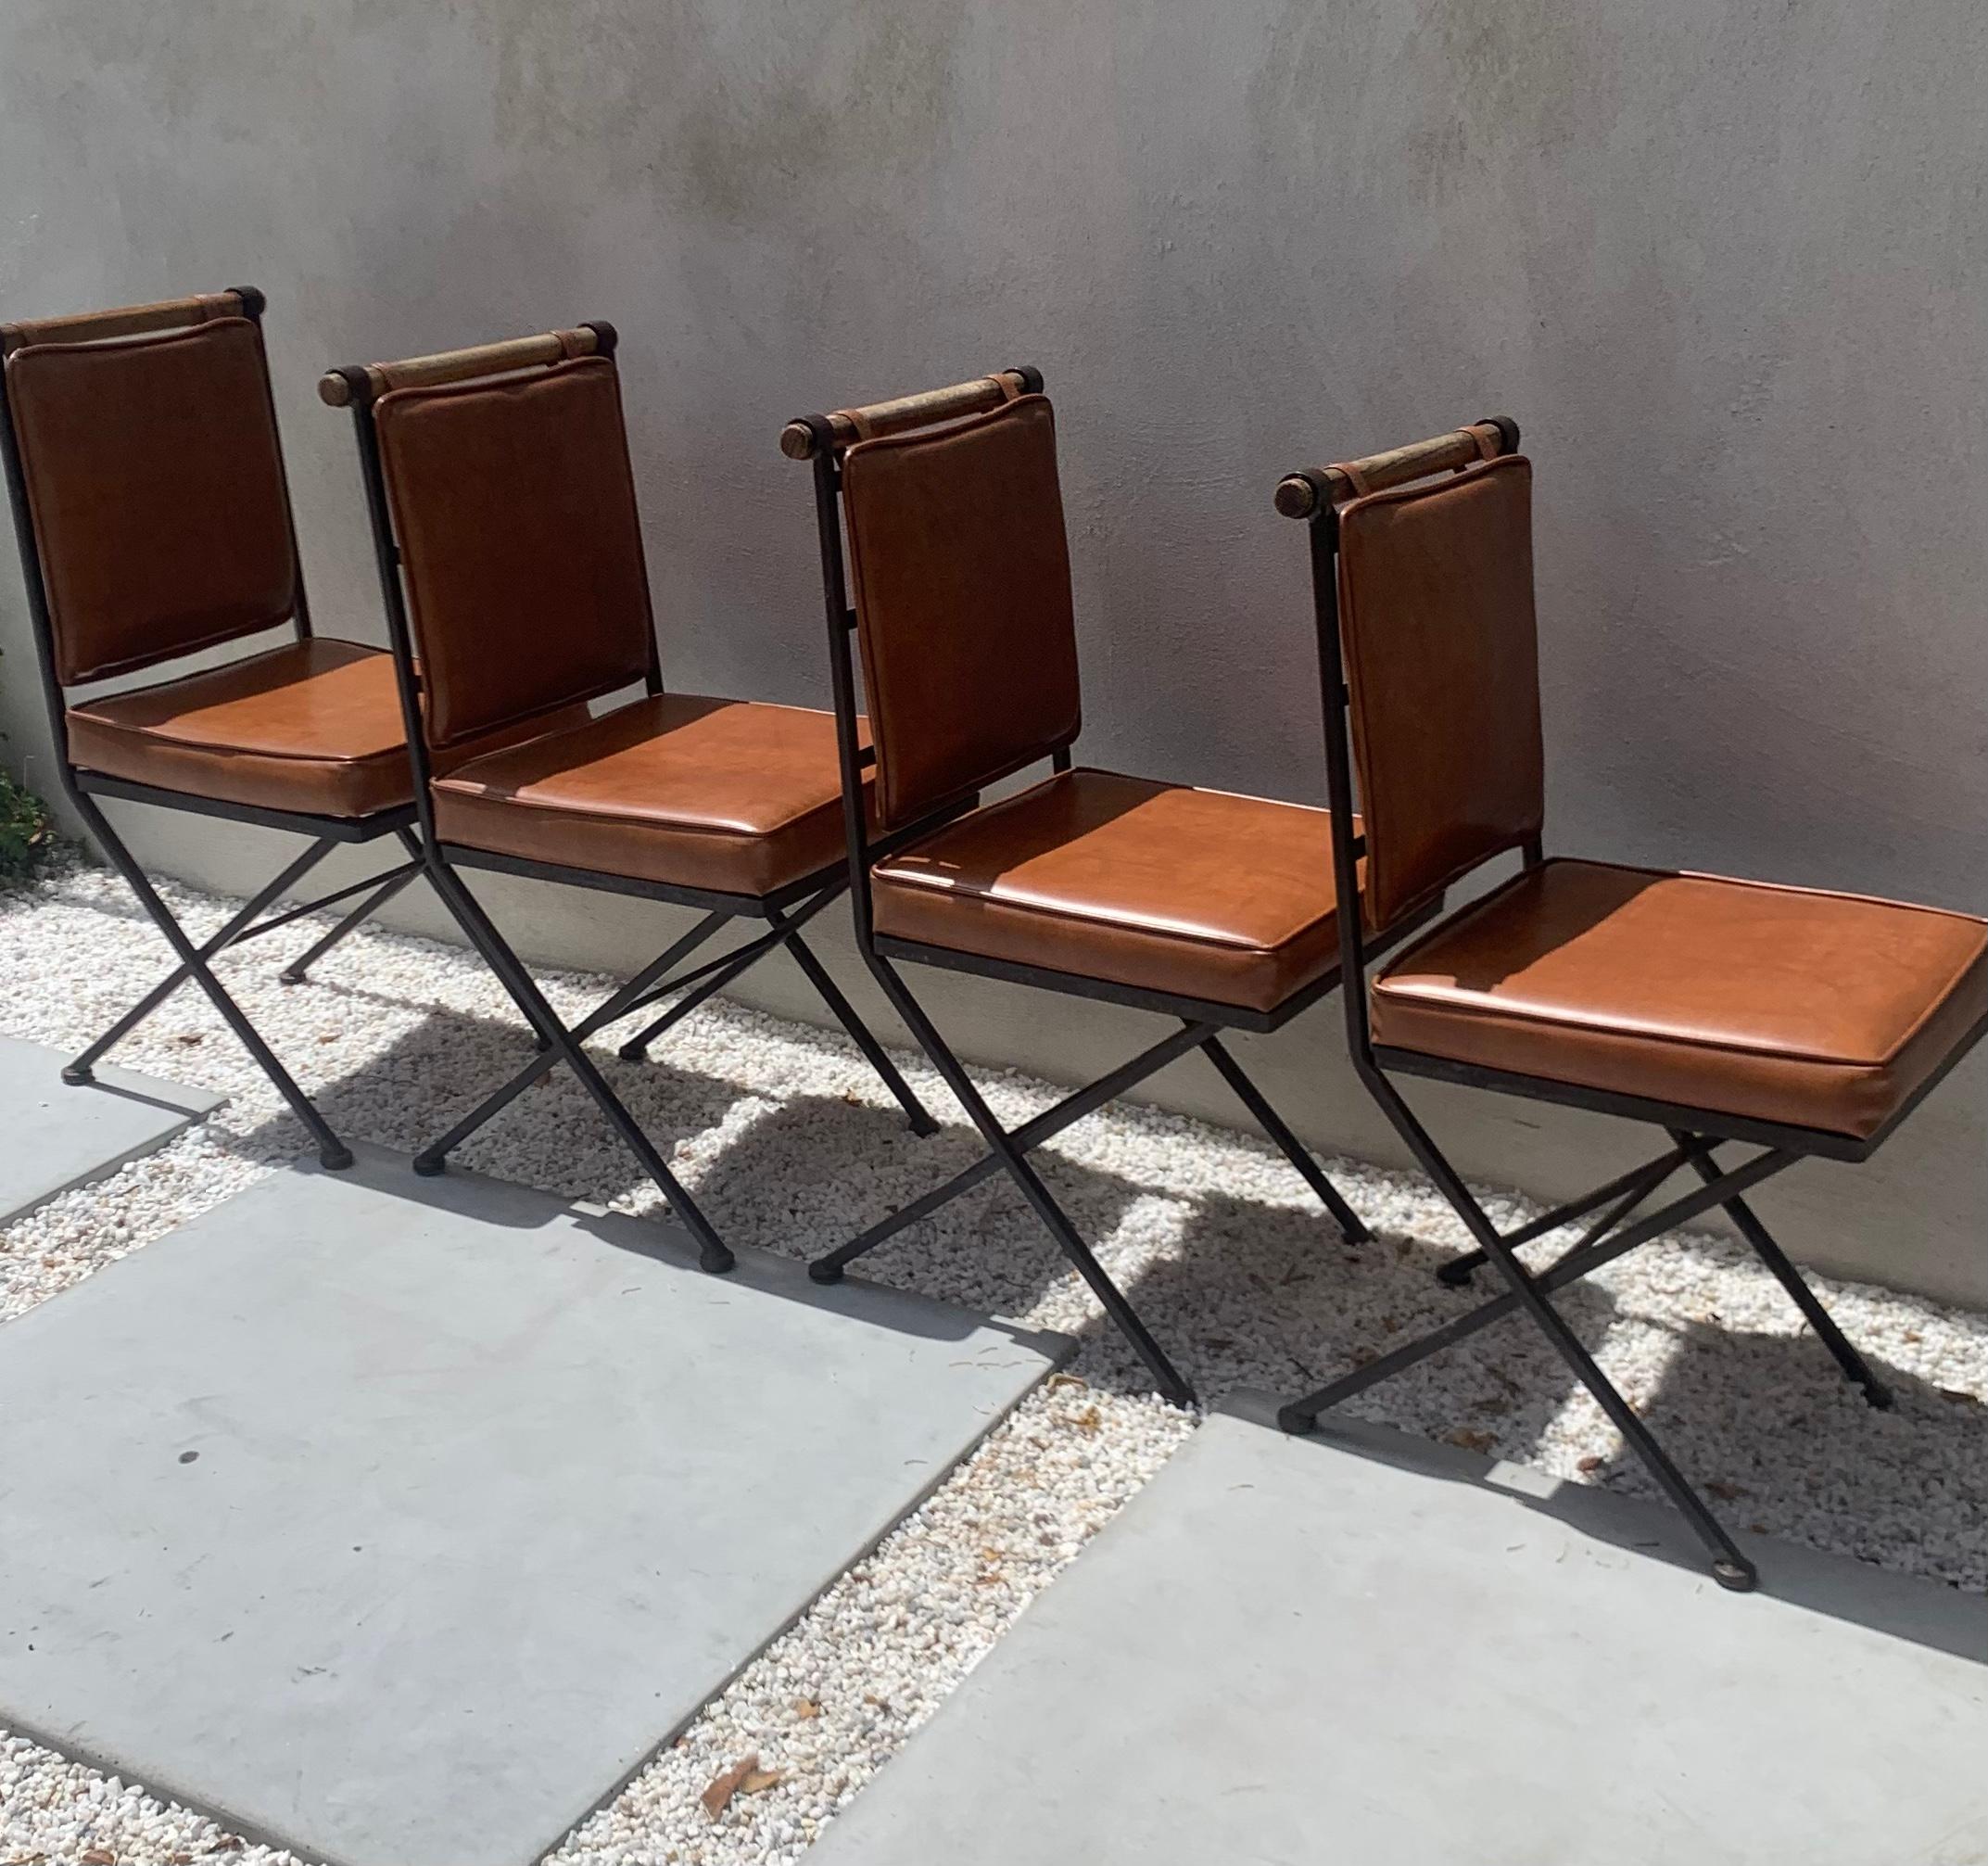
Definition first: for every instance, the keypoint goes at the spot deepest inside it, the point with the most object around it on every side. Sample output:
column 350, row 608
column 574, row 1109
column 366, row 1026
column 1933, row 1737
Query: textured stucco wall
column 1727, row 265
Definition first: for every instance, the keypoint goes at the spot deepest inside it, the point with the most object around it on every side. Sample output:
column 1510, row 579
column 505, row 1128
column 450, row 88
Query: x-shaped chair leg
column 245, row 926
column 299, row 969
column 1006, row 1152
column 1609, row 1239
column 193, row 964
column 712, row 1252
column 785, row 929
column 1350, row 1226
column 1074, row 1108
column 630, row 998
column 860, row 1034
column 1855, row 1367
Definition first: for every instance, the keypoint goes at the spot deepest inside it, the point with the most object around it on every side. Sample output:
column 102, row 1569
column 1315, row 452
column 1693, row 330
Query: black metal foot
column 290, row 976
column 1879, row 1395
column 922, row 1123
column 1295, row 1421
column 716, row 1260
column 335, row 1157
column 1457, row 1275
column 633, row 1052
column 77, row 1074
column 825, row 1273
column 1736, row 1577
column 431, row 1165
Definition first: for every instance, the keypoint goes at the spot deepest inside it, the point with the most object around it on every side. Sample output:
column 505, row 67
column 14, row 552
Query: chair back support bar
column 132, row 320
column 802, row 440
column 338, row 388
column 1299, row 495
column 151, row 478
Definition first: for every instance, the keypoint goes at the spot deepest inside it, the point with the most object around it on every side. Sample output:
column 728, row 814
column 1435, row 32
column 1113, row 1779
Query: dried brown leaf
column 760, row 1780
column 99, row 1856
column 1590, row 1463
column 1471, row 1441
column 806, row 1707
column 717, row 1796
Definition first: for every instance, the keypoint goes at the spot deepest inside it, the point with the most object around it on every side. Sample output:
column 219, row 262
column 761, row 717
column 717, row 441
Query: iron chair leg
column 1027, row 1138
column 1729, row 1568
column 830, row 993
column 1856, row 1369
column 434, row 1157
column 712, row 1252
column 1168, row 1378
column 331, row 1151
column 81, row 1070
column 785, row 929
column 1351, row 1227
column 1458, row 1271
column 299, row 969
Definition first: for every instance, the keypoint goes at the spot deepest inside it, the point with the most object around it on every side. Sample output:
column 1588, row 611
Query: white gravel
column 789, row 1141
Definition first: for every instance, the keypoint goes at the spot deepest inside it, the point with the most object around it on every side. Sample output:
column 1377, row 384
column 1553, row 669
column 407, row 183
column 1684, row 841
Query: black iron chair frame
column 1695, row 1134
column 83, row 788
column 785, row 911
column 823, row 439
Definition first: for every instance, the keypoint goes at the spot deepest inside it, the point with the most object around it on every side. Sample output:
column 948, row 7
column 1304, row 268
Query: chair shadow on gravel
column 817, row 1169
column 552, row 1135
column 1249, row 1294
column 1271, row 1296
column 1256, row 1295
column 1781, row 1444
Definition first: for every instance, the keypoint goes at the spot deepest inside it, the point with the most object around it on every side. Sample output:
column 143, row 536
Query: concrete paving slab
column 398, row 1520
column 54, row 1138
column 1366, row 1650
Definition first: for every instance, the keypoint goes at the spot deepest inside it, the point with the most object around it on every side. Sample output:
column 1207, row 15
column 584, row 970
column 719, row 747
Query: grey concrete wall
column 1725, row 263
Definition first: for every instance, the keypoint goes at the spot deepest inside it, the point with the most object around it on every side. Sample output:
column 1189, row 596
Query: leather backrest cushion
column 155, row 480
column 514, row 507
column 960, row 576
column 1436, row 615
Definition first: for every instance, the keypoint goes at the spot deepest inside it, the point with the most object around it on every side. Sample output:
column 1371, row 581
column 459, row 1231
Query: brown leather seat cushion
column 1199, row 893
column 727, row 795
column 313, row 726
column 1818, row 1011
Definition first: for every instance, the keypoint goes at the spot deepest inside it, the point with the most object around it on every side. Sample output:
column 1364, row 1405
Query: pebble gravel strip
column 788, row 1140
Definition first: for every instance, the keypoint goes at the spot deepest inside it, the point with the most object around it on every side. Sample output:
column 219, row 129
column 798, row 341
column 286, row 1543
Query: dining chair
column 1210, row 909
column 1793, row 1023
column 516, row 592
column 153, row 518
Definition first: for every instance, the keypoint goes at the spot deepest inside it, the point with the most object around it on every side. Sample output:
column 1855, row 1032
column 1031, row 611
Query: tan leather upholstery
column 1435, row 612
column 1818, row 1011
column 514, row 508
column 1199, row 894
column 314, row 726
column 960, row 579
column 156, row 485
column 725, row 794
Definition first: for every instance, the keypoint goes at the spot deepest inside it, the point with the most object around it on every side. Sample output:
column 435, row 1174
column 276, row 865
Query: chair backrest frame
column 1315, row 495
column 112, row 329
column 360, row 387
column 823, row 440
